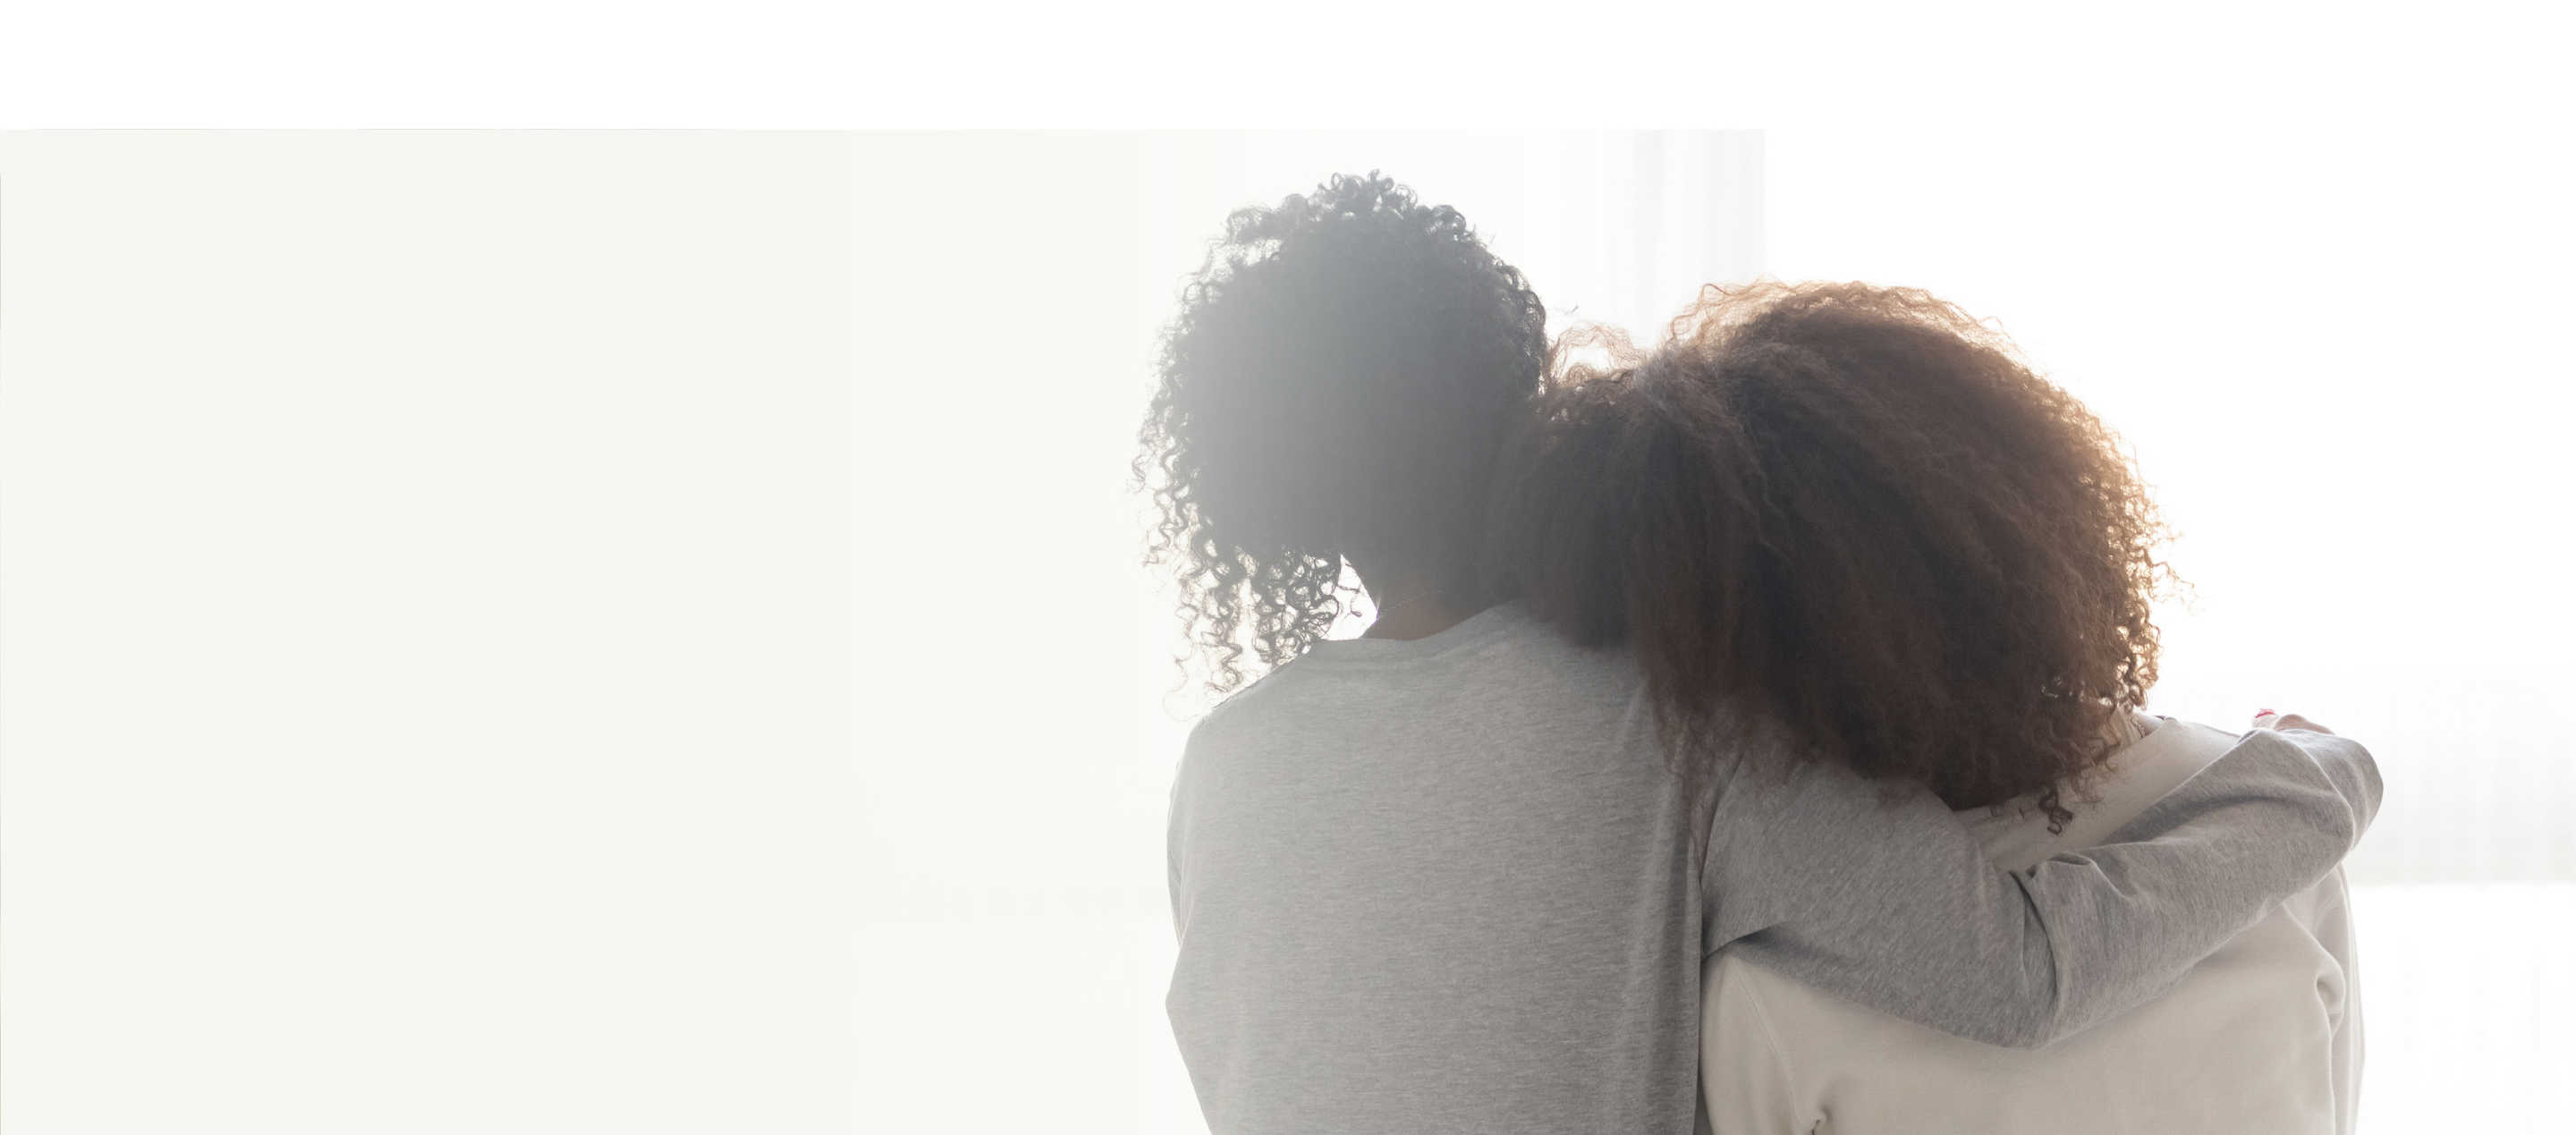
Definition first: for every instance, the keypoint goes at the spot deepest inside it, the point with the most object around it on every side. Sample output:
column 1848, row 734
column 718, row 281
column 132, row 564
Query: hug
column 1750, row 736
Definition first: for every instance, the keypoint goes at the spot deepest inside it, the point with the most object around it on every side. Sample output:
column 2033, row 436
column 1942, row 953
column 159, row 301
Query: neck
column 1409, row 606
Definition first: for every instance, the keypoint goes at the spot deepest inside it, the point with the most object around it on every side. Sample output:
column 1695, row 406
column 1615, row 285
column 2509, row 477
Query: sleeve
column 1875, row 892
column 1175, row 820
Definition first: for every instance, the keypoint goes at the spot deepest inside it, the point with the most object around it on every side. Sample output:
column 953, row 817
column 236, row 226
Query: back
column 2263, row 1036
column 1460, row 856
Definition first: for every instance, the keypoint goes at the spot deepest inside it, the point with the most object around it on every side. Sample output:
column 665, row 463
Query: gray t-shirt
column 1446, row 884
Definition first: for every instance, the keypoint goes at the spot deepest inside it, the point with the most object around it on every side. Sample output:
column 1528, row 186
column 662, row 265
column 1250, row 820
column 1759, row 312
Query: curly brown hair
column 1344, row 369
column 1848, row 511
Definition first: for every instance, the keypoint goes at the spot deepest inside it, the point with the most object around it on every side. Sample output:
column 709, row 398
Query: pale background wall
column 424, row 632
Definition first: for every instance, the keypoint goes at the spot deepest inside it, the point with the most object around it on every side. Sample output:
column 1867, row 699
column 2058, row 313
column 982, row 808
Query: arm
column 1874, row 892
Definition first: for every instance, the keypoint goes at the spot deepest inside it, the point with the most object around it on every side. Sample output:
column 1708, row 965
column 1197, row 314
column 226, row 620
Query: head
column 1344, row 369
column 1854, row 513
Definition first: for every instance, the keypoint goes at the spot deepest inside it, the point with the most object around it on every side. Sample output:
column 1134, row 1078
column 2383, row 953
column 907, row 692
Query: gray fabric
column 1445, row 885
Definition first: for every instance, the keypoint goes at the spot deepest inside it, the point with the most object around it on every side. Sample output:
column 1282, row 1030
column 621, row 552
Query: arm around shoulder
column 1877, row 893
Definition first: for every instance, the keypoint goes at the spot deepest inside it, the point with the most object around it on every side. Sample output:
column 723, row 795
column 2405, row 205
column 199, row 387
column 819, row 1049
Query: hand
column 2266, row 719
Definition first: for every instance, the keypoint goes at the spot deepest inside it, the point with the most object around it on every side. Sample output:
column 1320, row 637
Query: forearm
column 2210, row 859
column 1895, row 905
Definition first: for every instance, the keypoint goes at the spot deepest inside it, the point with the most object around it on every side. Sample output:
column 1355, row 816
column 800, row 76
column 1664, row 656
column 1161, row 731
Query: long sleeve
column 1875, row 892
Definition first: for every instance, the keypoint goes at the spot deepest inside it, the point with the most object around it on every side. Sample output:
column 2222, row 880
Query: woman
column 2261, row 1038
column 1459, row 874
column 1934, row 565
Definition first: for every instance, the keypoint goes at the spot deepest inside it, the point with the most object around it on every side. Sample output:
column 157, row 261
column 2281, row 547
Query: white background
column 425, row 632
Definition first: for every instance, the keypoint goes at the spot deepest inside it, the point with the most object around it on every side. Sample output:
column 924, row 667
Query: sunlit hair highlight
column 1851, row 515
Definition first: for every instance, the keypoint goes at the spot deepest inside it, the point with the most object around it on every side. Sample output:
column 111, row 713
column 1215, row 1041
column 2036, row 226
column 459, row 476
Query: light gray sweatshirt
column 1445, row 885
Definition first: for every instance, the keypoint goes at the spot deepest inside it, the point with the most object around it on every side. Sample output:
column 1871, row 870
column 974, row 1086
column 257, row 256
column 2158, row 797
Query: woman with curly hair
column 1858, row 513
column 1459, row 873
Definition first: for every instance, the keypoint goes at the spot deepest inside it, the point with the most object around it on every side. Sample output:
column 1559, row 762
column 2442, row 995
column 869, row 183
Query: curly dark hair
column 1344, row 369
column 1852, row 512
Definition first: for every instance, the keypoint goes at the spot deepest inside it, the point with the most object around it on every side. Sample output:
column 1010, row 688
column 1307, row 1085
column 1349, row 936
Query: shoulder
column 1243, row 713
